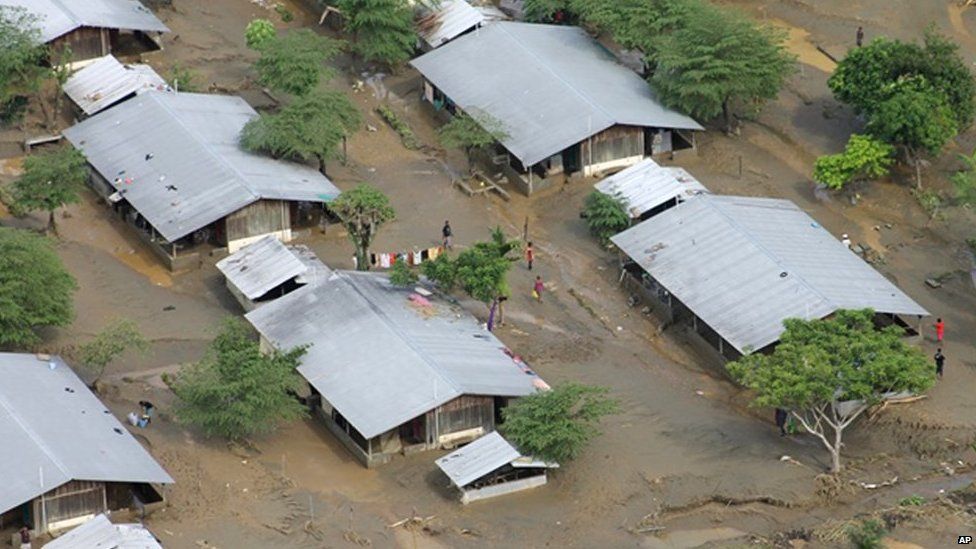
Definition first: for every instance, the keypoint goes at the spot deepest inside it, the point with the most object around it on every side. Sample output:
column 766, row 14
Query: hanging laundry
column 432, row 253
column 385, row 261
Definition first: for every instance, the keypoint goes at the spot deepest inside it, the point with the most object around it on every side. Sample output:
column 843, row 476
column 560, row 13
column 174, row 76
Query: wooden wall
column 86, row 43
column 261, row 217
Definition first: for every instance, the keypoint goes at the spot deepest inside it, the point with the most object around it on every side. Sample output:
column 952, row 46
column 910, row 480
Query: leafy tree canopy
column 312, row 126
column 915, row 118
column 870, row 75
column 35, row 288
column 363, row 210
column 401, row 275
column 116, row 338
column 295, row 62
column 820, row 363
column 383, row 29
column 51, row 180
column 717, row 59
column 480, row 131
column 964, row 181
column 258, row 32
column 605, row 216
column 556, row 425
column 481, row 270
column 21, row 54
column 237, row 391
column 863, row 158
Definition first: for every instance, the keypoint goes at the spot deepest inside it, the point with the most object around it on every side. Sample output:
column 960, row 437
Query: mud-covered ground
column 686, row 453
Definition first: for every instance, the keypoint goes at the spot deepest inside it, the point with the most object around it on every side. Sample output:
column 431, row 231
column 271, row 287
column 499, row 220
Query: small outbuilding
column 105, row 82
column 267, row 269
column 101, row 533
column 65, row 458
column 560, row 102
column 491, row 467
column 394, row 370
column 94, row 28
column 441, row 22
column 647, row 188
column 736, row 267
column 172, row 165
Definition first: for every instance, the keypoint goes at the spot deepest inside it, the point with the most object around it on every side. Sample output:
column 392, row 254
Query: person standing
column 448, row 234
column 845, row 240
column 529, row 255
column 859, row 36
column 939, row 362
column 25, row 538
column 939, row 330
column 538, row 288
column 781, row 416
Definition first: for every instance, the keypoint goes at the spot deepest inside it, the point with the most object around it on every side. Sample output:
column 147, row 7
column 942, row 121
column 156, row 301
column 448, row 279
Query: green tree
column 544, row 11
column 442, row 270
column 472, row 132
column 867, row 534
column 868, row 76
column 401, row 275
column 183, row 78
column 35, row 288
column 383, row 29
column 864, row 158
column 237, row 391
column 50, row 181
column 718, row 59
column 116, row 338
column 818, row 364
column 363, row 210
column 313, row 126
column 21, row 55
column 605, row 216
column 295, row 62
column 637, row 24
column 915, row 118
column 258, row 32
column 964, row 181
column 556, row 425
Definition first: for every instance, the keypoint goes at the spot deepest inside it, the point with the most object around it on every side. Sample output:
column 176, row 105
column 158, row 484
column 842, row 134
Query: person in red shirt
column 538, row 288
column 939, row 330
column 529, row 255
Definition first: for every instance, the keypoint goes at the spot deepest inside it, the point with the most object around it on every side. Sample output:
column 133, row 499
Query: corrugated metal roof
column 646, row 185
column 100, row 533
column 743, row 265
column 550, row 86
column 447, row 21
column 382, row 360
column 55, row 430
column 105, row 81
column 59, row 17
column 186, row 166
column 477, row 459
column 261, row 266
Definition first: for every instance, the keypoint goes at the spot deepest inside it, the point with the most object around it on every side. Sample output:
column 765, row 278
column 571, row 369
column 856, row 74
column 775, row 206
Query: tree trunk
column 362, row 251
column 835, row 465
column 727, row 114
column 51, row 225
column 321, row 159
column 918, row 171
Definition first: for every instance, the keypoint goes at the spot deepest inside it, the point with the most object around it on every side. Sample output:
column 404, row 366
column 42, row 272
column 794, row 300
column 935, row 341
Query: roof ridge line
column 583, row 96
column 345, row 277
column 32, row 434
column 775, row 258
column 204, row 145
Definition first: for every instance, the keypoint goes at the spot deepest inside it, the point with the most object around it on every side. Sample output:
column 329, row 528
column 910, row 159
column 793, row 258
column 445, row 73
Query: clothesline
column 385, row 260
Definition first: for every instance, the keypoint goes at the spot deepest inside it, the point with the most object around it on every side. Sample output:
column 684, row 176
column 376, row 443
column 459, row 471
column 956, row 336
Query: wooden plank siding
column 85, row 43
column 260, row 218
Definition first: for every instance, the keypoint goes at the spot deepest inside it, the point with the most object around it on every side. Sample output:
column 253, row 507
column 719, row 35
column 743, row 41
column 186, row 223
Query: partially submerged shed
column 647, row 188
column 65, row 458
column 267, row 269
column 737, row 267
column 172, row 165
column 105, row 82
column 491, row 467
column 391, row 370
column 94, row 28
column 101, row 533
column 563, row 103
